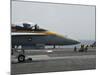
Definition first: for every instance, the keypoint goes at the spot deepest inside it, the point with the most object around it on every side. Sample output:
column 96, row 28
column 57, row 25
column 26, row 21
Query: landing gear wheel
column 21, row 58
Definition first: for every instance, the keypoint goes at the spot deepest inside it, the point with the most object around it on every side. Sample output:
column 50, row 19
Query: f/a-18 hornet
column 32, row 36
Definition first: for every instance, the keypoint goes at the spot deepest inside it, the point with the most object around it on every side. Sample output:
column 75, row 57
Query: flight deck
column 53, row 60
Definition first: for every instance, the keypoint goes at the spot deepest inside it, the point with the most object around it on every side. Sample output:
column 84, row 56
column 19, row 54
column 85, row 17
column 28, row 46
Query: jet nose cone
column 75, row 42
column 72, row 42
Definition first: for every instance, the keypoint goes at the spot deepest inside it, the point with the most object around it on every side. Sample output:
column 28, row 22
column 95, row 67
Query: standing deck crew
column 75, row 49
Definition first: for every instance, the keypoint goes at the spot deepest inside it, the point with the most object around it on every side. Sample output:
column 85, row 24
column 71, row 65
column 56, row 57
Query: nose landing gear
column 21, row 58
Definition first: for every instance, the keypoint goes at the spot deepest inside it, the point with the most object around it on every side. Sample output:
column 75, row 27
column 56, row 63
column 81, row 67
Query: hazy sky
column 73, row 21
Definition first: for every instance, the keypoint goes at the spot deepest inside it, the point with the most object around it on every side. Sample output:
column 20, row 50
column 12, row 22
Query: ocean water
column 85, row 42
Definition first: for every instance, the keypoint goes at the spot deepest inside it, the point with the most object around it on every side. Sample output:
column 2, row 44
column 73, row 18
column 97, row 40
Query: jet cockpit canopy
column 27, row 27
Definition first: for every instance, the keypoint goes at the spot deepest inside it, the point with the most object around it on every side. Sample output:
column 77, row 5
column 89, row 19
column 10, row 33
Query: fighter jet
column 35, row 37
